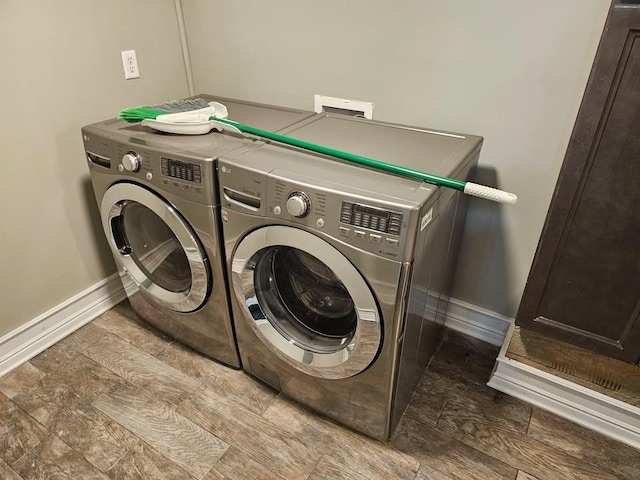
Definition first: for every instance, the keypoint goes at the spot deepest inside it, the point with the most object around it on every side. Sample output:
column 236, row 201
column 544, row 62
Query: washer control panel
column 381, row 220
column 368, row 224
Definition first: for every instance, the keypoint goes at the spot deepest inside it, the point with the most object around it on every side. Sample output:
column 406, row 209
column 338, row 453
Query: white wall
column 512, row 71
column 61, row 69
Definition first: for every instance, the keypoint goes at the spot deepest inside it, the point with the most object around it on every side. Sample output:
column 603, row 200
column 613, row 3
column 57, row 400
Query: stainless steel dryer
column 340, row 275
column 159, row 204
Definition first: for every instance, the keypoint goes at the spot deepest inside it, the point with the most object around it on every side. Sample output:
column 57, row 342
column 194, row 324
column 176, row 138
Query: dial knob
column 298, row 204
column 131, row 162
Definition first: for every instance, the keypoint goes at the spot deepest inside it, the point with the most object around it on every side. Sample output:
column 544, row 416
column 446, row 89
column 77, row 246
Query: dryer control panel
column 186, row 174
column 177, row 173
column 191, row 172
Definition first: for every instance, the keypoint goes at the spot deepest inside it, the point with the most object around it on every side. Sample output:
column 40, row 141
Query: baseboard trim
column 28, row 340
column 477, row 322
column 586, row 407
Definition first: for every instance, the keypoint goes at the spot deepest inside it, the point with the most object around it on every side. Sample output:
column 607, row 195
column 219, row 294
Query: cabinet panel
column 584, row 286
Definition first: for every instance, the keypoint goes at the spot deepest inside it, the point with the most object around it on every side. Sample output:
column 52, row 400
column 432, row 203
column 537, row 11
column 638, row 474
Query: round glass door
column 155, row 246
column 306, row 301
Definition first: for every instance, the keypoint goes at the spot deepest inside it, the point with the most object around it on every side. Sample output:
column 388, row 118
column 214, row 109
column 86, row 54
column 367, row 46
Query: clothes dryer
column 159, row 206
column 340, row 274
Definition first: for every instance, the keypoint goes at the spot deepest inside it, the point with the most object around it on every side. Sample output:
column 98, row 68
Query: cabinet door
column 584, row 285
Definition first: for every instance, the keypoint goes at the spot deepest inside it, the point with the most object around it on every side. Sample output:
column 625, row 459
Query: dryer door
column 306, row 302
column 156, row 247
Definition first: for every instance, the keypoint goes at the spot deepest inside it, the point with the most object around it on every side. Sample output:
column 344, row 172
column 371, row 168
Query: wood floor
column 118, row 400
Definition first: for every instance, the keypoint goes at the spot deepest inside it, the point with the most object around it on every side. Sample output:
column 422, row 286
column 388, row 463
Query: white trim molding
column 584, row 406
column 28, row 340
column 477, row 322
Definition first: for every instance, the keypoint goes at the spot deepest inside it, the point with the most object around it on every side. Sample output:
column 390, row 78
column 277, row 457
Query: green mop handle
column 469, row 188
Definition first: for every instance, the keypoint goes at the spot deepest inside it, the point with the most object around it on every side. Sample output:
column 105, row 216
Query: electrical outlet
column 130, row 63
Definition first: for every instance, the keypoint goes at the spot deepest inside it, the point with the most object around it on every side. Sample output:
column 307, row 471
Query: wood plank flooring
column 119, row 400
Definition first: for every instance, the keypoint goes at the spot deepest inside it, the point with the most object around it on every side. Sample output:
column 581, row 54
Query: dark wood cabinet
column 584, row 285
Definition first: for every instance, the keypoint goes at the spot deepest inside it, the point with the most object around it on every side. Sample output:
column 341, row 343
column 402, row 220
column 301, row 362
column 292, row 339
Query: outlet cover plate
column 130, row 64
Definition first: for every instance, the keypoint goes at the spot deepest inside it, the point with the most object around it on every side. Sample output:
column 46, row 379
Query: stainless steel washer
column 159, row 207
column 340, row 275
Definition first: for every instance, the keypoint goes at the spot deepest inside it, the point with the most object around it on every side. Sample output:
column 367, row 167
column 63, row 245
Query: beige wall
column 61, row 69
column 512, row 71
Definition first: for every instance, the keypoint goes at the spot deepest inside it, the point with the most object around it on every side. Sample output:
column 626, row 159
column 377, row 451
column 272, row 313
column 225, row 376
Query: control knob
column 131, row 161
column 298, row 204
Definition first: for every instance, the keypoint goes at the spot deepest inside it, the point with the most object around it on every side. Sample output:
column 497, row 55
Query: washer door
column 307, row 302
column 156, row 247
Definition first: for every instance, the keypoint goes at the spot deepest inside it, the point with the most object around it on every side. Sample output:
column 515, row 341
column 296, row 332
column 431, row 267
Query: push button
column 391, row 242
column 359, row 234
column 345, row 232
column 373, row 238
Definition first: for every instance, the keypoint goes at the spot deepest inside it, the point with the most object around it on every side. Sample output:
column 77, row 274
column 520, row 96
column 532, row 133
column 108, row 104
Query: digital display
column 181, row 170
column 373, row 218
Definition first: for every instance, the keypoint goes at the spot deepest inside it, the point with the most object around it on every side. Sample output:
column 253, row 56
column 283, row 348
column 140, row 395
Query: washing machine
column 340, row 274
column 159, row 205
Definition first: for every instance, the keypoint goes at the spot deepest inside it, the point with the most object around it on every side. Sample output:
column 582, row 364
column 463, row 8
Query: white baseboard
column 584, row 406
column 26, row 341
column 477, row 322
